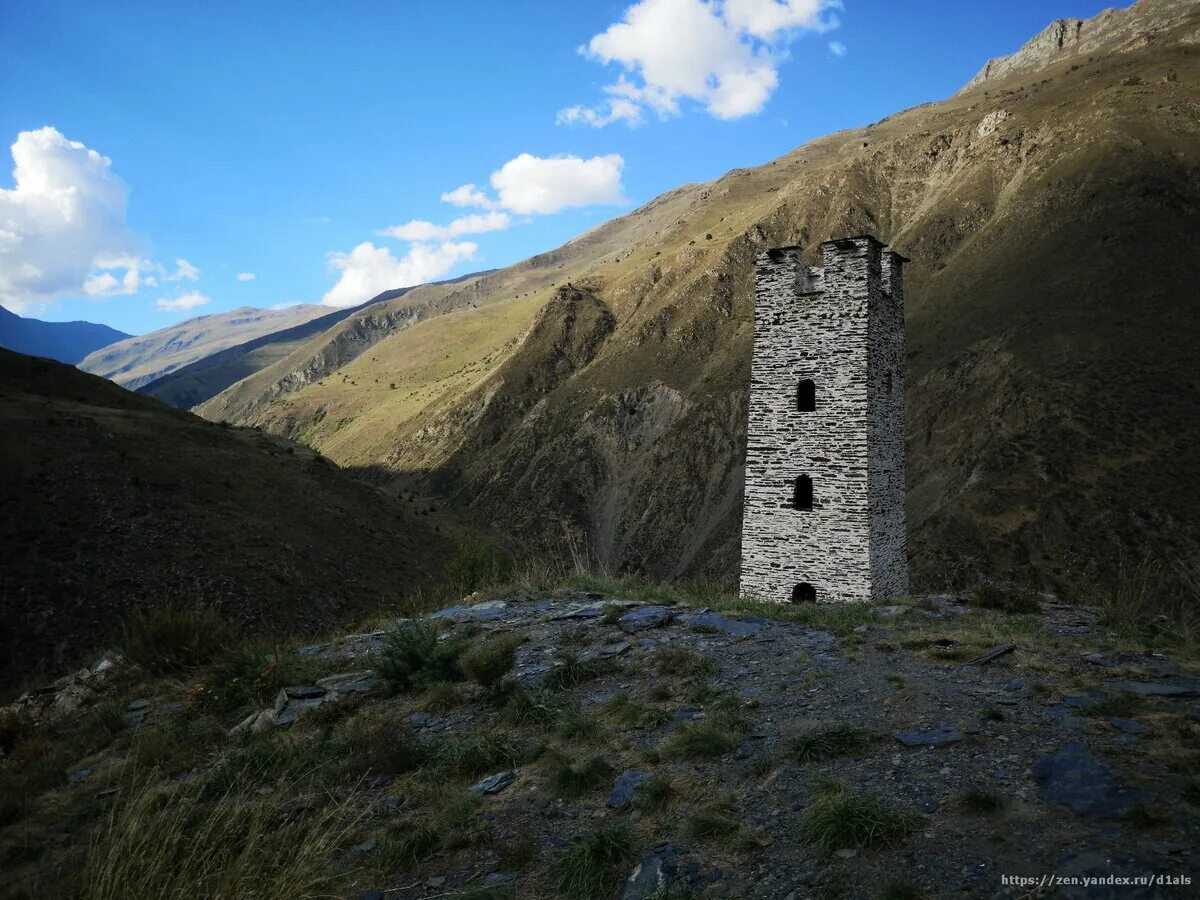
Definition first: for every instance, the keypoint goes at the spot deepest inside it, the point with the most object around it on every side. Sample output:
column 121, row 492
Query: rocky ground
column 925, row 748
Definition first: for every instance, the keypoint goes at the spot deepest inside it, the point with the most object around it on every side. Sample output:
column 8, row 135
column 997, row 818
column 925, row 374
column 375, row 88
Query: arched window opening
column 806, row 396
column 804, row 593
column 802, row 498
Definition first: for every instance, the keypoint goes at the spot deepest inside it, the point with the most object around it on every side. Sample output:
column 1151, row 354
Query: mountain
column 113, row 502
column 198, row 381
column 140, row 360
column 67, row 342
column 596, row 395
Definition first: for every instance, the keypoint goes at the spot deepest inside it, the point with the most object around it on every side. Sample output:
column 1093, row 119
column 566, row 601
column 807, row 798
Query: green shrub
column 488, row 661
column 412, row 655
column 573, row 671
column 681, row 661
column 169, row 640
column 655, row 794
column 838, row 818
column 592, row 867
column 524, row 708
column 479, row 754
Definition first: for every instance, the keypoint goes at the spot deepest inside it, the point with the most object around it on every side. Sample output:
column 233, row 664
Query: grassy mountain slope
column 113, row 502
column 140, row 360
column 1052, row 215
column 67, row 342
column 207, row 376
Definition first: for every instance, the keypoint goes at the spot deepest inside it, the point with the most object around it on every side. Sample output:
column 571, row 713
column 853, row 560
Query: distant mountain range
column 136, row 361
column 67, row 342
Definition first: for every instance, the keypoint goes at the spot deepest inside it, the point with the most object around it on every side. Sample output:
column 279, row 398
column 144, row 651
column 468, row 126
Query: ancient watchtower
column 824, row 513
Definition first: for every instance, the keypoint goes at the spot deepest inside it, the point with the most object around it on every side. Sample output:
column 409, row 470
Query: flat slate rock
column 626, row 787
column 1085, row 699
column 494, row 784
column 711, row 621
column 1073, row 778
column 1151, row 688
column 478, row 612
column 1129, row 726
column 645, row 618
column 936, row 737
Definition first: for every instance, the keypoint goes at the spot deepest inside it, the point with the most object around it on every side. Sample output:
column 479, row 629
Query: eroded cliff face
column 1052, row 398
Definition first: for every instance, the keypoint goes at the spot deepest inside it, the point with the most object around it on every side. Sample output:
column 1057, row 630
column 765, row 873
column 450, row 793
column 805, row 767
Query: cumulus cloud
column 368, row 270
column 837, row 48
column 477, row 223
column 184, row 301
column 535, row 185
column 62, row 224
column 246, row 276
column 724, row 56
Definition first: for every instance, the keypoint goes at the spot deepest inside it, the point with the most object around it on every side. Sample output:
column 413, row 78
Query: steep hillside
column 1052, row 215
column 209, row 375
column 112, row 502
column 140, row 360
column 67, row 342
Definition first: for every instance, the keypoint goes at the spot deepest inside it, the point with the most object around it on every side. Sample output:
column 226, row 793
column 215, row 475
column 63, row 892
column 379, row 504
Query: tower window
column 806, row 396
column 804, row 593
column 802, row 498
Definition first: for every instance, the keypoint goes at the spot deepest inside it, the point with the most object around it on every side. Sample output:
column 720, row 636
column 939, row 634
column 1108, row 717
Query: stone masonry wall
column 840, row 325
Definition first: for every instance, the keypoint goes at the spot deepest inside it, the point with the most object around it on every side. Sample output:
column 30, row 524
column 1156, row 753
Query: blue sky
column 273, row 139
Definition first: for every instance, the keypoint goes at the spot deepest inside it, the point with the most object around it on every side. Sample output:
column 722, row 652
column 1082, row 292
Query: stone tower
column 824, row 511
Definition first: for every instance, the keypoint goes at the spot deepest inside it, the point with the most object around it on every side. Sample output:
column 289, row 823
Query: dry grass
column 167, row 842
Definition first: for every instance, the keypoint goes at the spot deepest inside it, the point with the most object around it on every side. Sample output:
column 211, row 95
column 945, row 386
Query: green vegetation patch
column 593, row 866
column 840, row 818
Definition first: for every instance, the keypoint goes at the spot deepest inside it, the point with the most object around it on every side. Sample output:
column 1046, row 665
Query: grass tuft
column 831, row 741
column 839, row 818
column 575, row 781
column 488, row 661
column 981, row 802
column 703, row 740
column 592, row 867
column 164, row 641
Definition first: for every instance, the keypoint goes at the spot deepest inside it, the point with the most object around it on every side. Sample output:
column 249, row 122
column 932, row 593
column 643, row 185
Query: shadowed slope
column 113, row 502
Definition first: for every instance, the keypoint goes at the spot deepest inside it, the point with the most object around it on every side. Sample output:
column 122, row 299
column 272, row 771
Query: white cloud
column 62, row 225
column 529, row 184
column 476, row 223
column 185, row 301
column 837, row 48
column 184, row 271
column 246, row 276
column 467, row 195
column 725, row 56
column 368, row 270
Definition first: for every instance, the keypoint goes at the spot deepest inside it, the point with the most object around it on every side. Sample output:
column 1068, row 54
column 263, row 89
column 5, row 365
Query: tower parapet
column 824, row 509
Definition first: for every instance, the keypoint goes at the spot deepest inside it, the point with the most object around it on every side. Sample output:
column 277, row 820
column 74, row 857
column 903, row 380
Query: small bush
column 839, row 818
column 413, row 656
column 374, row 743
column 163, row 641
column 655, row 794
column 1005, row 599
column 831, row 741
column 575, row 725
column 488, row 661
column 627, row 712
column 713, row 821
column 993, row 714
column 593, row 866
column 575, row 781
